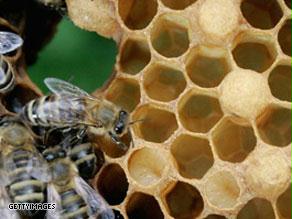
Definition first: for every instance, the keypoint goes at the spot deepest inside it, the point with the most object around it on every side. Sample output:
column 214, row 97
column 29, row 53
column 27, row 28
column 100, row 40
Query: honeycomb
column 211, row 83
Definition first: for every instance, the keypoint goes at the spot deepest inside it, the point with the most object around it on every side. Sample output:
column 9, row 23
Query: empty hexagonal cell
column 280, row 82
column 288, row 3
column 284, row 204
column 135, row 55
column 199, row 113
column 143, row 206
column 124, row 93
column 164, row 83
column 169, row 35
column 274, row 126
column 284, row 37
column 215, row 216
column 147, row 166
column 257, row 56
column 207, row 67
column 113, row 184
column 183, row 201
column 18, row 97
column 233, row 142
column 261, row 14
column 257, row 208
column 222, row 190
column 157, row 125
column 178, row 5
column 137, row 14
column 193, row 156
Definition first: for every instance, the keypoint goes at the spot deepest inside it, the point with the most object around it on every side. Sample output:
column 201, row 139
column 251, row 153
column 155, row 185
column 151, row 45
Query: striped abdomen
column 53, row 110
column 23, row 187
column 7, row 79
column 85, row 160
column 73, row 205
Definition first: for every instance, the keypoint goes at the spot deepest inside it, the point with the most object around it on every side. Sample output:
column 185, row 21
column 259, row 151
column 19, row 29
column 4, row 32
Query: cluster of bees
column 36, row 169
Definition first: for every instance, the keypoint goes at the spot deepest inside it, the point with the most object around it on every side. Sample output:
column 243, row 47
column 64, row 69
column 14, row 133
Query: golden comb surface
column 212, row 82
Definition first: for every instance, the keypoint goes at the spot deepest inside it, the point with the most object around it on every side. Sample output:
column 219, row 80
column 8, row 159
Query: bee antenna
column 138, row 120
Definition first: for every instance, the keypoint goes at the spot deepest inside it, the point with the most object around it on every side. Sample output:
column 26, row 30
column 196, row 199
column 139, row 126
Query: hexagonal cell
column 135, row 55
column 111, row 148
column 199, row 113
column 284, row 204
column 124, row 93
column 257, row 208
column 18, row 97
column 178, row 5
column 137, row 14
column 169, row 35
column 284, row 38
column 288, row 3
column 280, row 82
column 207, row 67
column 261, row 14
column 233, row 141
column 164, row 83
column 222, row 190
column 143, row 206
column 193, row 156
column 183, row 201
column 215, row 216
column 143, row 169
column 153, row 125
column 274, row 126
column 113, row 184
column 254, row 55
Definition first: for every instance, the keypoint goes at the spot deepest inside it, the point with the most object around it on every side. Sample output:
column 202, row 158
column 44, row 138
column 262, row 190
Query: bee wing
column 9, row 42
column 53, row 197
column 5, row 212
column 38, row 168
column 97, row 204
column 60, row 87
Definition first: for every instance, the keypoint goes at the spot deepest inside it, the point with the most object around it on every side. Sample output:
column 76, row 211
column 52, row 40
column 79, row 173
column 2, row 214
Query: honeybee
column 8, row 43
column 71, row 106
column 74, row 198
column 80, row 151
column 21, row 165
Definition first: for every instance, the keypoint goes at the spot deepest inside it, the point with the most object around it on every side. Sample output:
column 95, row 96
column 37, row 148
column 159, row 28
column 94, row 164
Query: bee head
column 121, row 123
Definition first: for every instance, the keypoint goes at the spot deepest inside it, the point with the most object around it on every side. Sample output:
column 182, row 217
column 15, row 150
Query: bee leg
column 118, row 141
column 81, row 133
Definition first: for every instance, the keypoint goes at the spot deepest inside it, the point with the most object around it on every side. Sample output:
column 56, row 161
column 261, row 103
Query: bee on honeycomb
column 212, row 82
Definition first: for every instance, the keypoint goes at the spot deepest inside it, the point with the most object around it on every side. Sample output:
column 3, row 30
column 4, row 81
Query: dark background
column 84, row 58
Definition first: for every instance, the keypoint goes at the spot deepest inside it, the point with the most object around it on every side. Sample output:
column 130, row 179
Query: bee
column 80, row 151
column 8, row 43
column 74, row 198
column 70, row 106
column 22, row 167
